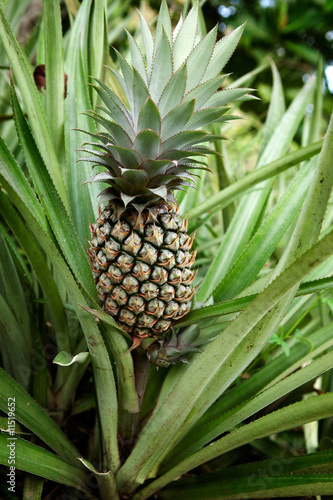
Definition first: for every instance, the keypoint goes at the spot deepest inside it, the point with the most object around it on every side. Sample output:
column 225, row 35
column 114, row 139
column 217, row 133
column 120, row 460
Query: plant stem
column 130, row 421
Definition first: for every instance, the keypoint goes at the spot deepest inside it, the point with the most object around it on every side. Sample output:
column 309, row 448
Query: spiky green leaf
column 137, row 58
column 147, row 144
column 161, row 68
column 140, row 95
column 163, row 24
column 198, row 60
column 203, row 92
column 173, row 91
column 176, row 119
column 222, row 53
column 185, row 38
column 149, row 117
column 147, row 40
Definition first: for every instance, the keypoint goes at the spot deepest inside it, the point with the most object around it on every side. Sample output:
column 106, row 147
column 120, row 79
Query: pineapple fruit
column 140, row 252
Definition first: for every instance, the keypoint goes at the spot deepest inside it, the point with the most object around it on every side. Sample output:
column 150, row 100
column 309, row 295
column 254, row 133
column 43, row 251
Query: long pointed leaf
column 54, row 209
column 54, row 71
column 33, row 106
column 161, row 68
column 230, row 193
column 214, row 424
column 251, row 205
column 222, row 52
column 83, row 199
column 297, row 414
column 39, row 265
column 256, row 485
column 105, row 384
column 202, row 370
column 263, row 243
column 184, row 41
column 31, row 458
column 32, row 416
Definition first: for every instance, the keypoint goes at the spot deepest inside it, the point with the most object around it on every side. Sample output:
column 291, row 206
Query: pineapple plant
column 152, row 143
column 94, row 418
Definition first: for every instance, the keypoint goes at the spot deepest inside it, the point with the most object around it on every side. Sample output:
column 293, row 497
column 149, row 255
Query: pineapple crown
column 154, row 134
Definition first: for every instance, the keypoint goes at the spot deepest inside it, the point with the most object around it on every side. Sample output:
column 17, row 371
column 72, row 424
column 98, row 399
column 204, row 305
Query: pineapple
column 140, row 252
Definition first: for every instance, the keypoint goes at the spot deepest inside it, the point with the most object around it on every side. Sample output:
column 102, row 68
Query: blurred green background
column 296, row 34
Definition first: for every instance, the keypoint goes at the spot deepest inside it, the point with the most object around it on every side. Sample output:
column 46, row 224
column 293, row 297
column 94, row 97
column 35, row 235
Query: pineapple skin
column 142, row 268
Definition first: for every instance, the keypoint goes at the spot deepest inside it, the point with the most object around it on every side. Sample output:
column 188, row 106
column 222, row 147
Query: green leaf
column 33, row 487
column 116, row 109
column 275, row 380
column 313, row 211
column 235, row 305
column 140, row 95
column 33, row 106
column 222, row 52
column 258, row 486
column 203, row 92
column 173, row 92
column 303, row 463
column 31, row 458
column 184, row 140
column 149, row 117
column 176, row 119
column 13, row 342
column 54, row 71
column 64, row 358
column 106, row 481
column 310, row 54
column 13, row 288
column 297, row 414
column 106, row 392
column 250, row 206
column 39, row 265
column 161, row 68
column 54, row 209
column 147, row 40
column 83, row 199
column 118, row 347
column 110, row 94
column 126, row 81
column 105, row 318
column 163, row 24
column 103, row 375
column 147, row 144
column 225, row 96
column 231, row 192
column 275, row 112
column 97, row 42
column 138, row 177
column 127, row 158
column 206, row 117
column 198, row 60
column 20, row 261
column 263, row 243
column 15, row 183
column 314, row 133
column 169, row 421
column 114, row 132
column 185, row 38
column 137, row 59
column 32, row 416
column 14, row 12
